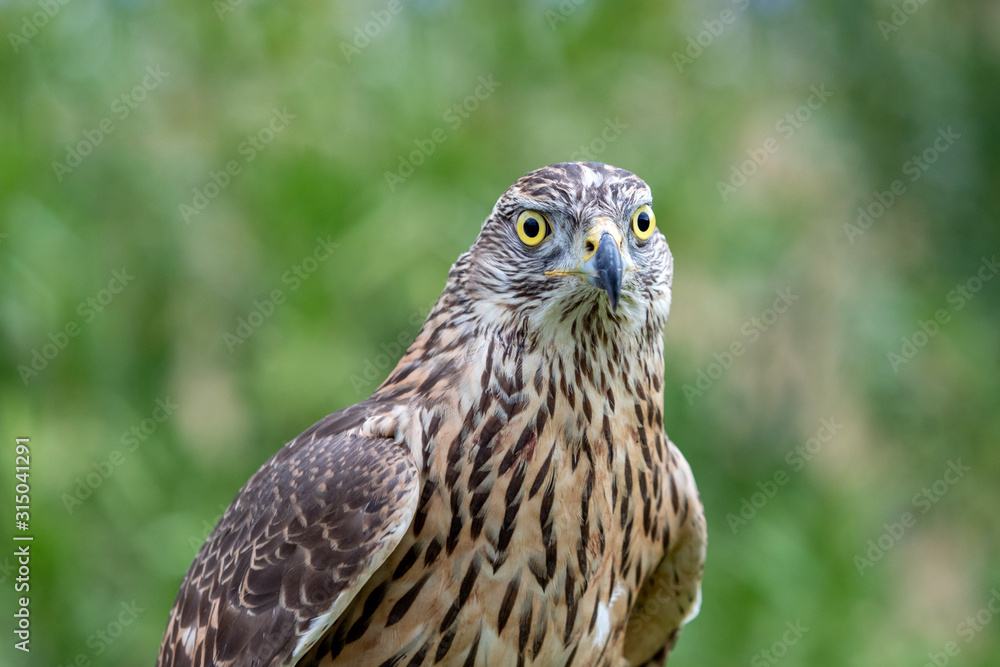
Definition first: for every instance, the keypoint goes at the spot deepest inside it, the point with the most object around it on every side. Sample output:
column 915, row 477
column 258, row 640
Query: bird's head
column 575, row 241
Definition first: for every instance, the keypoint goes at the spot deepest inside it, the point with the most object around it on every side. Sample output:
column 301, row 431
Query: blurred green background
column 761, row 127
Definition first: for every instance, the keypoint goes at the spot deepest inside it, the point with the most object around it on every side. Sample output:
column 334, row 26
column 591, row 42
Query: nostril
column 590, row 246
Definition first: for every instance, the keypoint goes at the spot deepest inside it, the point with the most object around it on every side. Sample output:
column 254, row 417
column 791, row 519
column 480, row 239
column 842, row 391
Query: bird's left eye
column 643, row 222
column 532, row 227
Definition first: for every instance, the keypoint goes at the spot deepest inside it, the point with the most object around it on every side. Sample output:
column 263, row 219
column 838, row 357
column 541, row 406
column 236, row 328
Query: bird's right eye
column 532, row 227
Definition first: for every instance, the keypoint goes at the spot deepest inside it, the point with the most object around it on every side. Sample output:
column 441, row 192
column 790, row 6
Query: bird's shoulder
column 302, row 537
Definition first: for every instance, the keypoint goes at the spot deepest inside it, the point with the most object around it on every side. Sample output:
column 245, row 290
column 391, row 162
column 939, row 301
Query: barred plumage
column 507, row 496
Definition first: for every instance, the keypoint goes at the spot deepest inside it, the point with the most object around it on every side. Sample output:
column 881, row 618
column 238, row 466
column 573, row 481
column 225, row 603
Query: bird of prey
column 507, row 496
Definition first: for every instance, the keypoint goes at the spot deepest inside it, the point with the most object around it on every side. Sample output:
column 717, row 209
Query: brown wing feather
column 671, row 594
column 293, row 549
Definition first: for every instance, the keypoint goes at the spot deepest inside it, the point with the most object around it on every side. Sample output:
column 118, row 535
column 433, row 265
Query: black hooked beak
column 607, row 268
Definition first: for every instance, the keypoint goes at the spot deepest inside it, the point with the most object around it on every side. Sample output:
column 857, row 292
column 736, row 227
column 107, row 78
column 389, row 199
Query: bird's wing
column 298, row 543
column 671, row 594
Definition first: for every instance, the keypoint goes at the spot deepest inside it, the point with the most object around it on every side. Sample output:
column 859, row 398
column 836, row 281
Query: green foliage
column 762, row 127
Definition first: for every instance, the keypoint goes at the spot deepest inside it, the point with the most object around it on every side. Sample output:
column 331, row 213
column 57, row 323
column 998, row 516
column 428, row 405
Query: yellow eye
column 532, row 227
column 643, row 222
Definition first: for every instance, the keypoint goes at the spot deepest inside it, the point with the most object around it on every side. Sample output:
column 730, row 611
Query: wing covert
column 287, row 557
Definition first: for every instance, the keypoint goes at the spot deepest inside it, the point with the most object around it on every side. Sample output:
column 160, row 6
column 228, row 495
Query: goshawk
column 507, row 496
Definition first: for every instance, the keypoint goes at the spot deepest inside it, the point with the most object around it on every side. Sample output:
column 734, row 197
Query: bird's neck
column 470, row 356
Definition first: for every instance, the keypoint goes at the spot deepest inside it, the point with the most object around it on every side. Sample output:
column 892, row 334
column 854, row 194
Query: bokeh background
column 761, row 127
